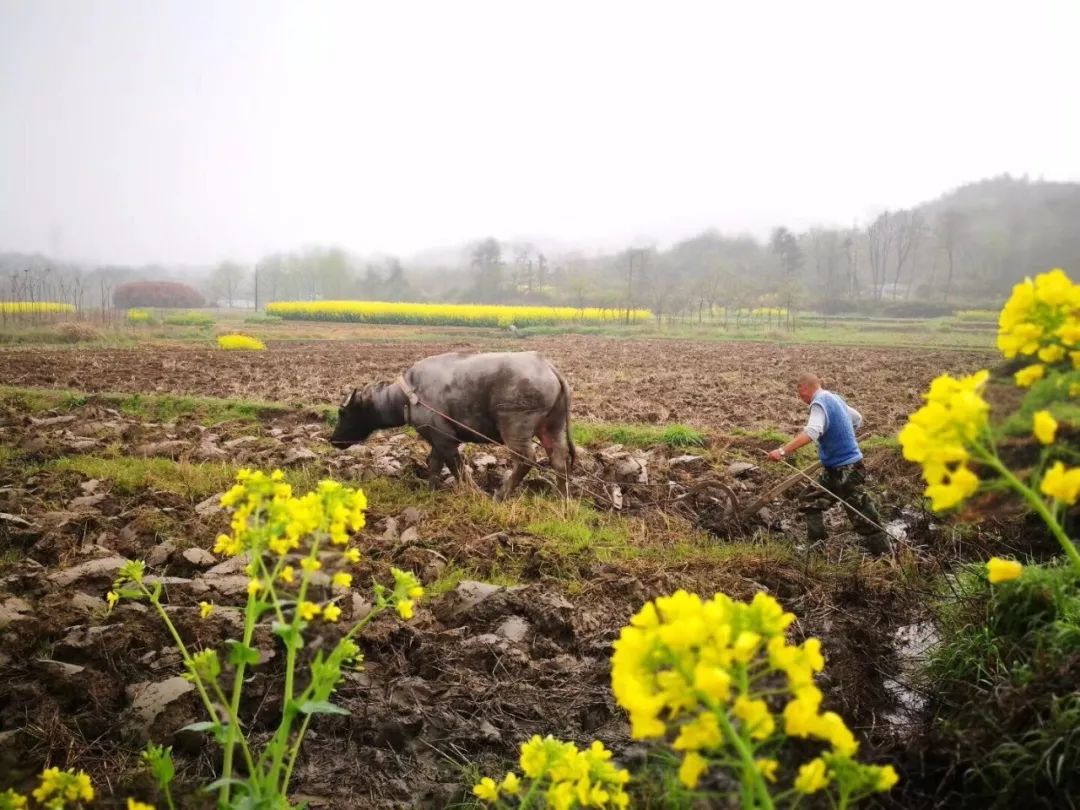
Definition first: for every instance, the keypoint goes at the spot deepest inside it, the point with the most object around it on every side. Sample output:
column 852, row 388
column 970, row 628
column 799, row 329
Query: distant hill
column 1007, row 228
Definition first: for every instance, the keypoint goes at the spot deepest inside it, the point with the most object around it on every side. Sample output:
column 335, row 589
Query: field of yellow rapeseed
column 447, row 314
column 240, row 343
column 34, row 307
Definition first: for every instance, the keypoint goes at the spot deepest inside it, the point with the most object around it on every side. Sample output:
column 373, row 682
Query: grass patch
column 455, row 575
column 880, row 443
column 832, row 331
column 1003, row 680
column 200, row 319
column 1049, row 394
column 130, row 475
column 9, row 557
column 581, row 529
column 209, row 410
column 161, row 407
column 771, row 435
column 643, row 436
column 7, row 454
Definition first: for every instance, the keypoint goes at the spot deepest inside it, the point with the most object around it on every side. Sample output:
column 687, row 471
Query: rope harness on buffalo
column 611, row 497
column 413, row 400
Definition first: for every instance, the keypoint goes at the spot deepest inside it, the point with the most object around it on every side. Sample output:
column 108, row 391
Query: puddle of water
column 911, row 642
column 900, row 529
column 897, row 530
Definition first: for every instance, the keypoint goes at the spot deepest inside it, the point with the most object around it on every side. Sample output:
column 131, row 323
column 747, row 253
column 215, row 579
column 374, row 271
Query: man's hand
column 777, row 454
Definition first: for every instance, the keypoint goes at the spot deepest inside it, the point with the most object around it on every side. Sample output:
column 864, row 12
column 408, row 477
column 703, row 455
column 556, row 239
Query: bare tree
column 851, row 255
column 826, row 250
column 879, row 238
column 226, row 281
column 950, row 231
column 907, row 229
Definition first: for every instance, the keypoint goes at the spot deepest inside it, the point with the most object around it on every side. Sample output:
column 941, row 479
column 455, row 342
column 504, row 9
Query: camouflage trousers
column 849, row 483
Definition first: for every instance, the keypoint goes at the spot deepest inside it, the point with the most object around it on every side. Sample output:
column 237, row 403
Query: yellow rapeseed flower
column 352, row 555
column 404, row 608
column 533, row 757
column 1061, row 483
column 342, row 579
column 755, row 716
column 938, row 435
column 10, row 800
column 134, row 805
column 813, row 776
column 34, row 307
column 67, row 786
column 486, row 790
column 331, row 613
column 693, row 766
column 112, row 597
column 240, row 343
column 309, row 564
column 767, row 768
column 205, row 609
column 510, row 784
column 701, row 732
column 1029, row 375
column 1044, row 426
column 1040, row 318
column 287, row 574
column 956, row 487
column 999, row 570
column 446, row 314
column 308, row 610
column 831, row 727
column 887, row 778
column 1052, row 354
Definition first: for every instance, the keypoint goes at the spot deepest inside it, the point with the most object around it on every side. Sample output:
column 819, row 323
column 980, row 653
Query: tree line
column 963, row 250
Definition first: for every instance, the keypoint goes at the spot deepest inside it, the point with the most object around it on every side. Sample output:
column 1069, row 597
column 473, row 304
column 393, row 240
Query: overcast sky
column 187, row 132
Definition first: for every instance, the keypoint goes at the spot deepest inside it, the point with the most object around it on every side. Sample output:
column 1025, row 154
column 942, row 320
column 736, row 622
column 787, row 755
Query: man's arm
column 856, row 418
column 815, row 426
column 800, row 440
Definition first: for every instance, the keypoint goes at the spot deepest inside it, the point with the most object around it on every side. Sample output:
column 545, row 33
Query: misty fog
column 363, row 150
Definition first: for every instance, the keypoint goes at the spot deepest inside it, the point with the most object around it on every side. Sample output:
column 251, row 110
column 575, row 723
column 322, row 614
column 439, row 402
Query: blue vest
column 837, row 446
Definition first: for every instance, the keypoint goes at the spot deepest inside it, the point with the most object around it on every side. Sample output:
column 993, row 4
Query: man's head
column 809, row 384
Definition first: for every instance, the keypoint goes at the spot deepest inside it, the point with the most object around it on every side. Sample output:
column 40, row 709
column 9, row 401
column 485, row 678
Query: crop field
column 447, row 314
column 114, row 451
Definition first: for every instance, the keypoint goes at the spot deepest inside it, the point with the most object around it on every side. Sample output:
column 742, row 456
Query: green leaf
column 320, row 707
column 220, row 783
column 205, row 725
column 240, row 653
column 288, row 634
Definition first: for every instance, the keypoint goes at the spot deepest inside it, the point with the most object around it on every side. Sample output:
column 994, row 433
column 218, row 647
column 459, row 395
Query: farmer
column 832, row 424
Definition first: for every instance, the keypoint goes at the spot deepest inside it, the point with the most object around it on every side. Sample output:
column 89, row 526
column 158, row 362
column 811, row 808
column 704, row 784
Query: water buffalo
column 503, row 397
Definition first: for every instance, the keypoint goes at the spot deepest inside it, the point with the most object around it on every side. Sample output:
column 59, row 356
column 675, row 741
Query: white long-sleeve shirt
column 815, row 425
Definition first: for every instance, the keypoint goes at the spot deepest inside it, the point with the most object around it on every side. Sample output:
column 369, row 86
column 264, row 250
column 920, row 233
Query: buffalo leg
column 435, row 465
column 522, row 450
column 453, row 462
column 558, row 452
column 560, row 463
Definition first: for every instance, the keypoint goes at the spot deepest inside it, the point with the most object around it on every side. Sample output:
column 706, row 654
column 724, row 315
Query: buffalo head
column 357, row 419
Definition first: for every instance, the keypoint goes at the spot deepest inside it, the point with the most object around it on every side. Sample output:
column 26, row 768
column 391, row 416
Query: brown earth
column 718, row 385
column 481, row 667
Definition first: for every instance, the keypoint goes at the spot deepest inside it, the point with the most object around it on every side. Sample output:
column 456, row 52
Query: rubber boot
column 815, row 528
column 876, row 543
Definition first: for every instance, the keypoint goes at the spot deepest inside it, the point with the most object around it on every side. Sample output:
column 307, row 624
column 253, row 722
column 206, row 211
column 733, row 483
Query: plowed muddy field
column 524, row 598
column 720, row 385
